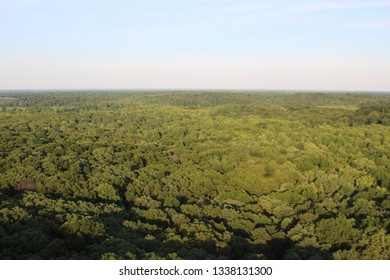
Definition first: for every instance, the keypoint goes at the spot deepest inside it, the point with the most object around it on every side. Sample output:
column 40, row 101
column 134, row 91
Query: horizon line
column 193, row 89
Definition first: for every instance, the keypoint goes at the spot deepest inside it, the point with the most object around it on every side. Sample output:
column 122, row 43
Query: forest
column 194, row 175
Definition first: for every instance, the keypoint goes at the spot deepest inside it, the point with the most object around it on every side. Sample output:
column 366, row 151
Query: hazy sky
column 199, row 44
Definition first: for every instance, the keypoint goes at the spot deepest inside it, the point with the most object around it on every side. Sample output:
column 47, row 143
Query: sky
column 199, row 44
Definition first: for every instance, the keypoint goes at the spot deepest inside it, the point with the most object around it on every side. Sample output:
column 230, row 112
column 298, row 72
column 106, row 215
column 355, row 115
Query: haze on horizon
column 222, row 44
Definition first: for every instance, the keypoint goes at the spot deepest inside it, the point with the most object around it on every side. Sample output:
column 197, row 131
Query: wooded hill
column 194, row 175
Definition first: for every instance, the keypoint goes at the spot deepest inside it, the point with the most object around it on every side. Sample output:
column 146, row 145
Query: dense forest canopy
column 194, row 175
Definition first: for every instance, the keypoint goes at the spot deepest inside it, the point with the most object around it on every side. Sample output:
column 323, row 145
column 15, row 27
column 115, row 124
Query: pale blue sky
column 222, row 44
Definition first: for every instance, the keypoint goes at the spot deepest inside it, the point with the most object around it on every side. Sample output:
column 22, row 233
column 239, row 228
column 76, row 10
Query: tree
column 337, row 233
column 106, row 191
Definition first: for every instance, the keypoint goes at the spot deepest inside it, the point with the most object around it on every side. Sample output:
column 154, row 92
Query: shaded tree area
column 194, row 175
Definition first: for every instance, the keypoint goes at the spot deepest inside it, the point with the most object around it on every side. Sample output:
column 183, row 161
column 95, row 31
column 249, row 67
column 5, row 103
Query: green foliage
column 194, row 175
column 106, row 191
column 336, row 232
